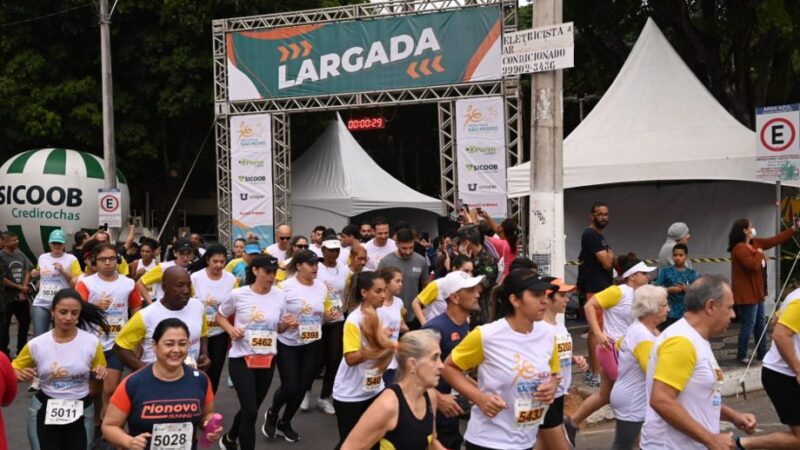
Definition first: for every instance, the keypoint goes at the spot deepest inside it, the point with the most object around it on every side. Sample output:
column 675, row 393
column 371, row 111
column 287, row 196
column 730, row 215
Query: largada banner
column 365, row 55
column 251, row 177
column 481, row 154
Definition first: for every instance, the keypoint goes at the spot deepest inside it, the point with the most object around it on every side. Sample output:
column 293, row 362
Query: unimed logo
column 481, row 167
column 253, row 179
column 171, row 409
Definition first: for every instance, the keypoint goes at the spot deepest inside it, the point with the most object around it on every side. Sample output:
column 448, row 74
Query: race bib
column 47, row 291
column 172, row 436
column 528, row 412
column 564, row 347
column 372, row 380
column 720, row 378
column 310, row 332
column 211, row 322
column 336, row 302
column 62, row 412
column 116, row 319
column 262, row 342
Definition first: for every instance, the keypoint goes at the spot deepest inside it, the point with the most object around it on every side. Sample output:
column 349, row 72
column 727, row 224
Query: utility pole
column 109, row 152
column 547, row 240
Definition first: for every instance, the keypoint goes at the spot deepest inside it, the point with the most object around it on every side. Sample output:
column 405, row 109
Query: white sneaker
column 306, row 405
column 326, row 405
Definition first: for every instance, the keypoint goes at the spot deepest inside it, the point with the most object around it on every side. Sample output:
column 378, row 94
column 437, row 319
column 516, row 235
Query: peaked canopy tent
column 658, row 148
column 336, row 180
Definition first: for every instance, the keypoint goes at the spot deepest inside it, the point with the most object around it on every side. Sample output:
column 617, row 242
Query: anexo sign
column 777, row 142
column 41, row 190
column 365, row 55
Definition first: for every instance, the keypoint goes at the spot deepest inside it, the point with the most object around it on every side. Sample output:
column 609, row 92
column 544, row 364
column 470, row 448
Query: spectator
column 677, row 233
column 77, row 250
column 470, row 244
column 350, row 237
column 15, row 298
column 381, row 245
column 366, row 231
column 316, row 240
column 197, row 242
column 676, row 278
column 748, row 267
column 595, row 274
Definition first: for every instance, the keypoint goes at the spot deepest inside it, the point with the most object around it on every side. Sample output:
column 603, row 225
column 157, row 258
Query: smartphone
column 104, row 227
column 426, row 236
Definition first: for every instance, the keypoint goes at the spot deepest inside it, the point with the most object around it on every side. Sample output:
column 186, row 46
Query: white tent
column 660, row 131
column 336, row 180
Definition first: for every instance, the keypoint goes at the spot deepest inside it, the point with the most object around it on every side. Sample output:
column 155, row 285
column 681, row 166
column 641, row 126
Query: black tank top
column 410, row 433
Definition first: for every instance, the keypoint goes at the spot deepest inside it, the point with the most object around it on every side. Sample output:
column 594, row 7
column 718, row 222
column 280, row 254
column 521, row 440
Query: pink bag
column 609, row 360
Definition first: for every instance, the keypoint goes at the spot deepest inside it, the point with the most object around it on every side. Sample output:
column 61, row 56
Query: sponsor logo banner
column 251, row 177
column 481, row 154
column 365, row 55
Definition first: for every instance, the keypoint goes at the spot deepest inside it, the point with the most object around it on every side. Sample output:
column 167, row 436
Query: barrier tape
column 576, row 262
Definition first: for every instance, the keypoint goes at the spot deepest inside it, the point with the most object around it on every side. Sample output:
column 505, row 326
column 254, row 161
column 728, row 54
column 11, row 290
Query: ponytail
column 379, row 347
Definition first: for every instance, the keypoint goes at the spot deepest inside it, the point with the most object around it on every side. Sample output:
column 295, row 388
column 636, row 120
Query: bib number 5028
column 170, row 440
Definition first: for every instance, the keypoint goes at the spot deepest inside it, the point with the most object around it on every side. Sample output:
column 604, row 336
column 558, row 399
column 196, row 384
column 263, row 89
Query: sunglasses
column 304, row 247
column 284, row 238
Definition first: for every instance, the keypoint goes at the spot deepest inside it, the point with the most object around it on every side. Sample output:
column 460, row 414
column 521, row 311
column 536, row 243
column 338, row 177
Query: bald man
column 283, row 234
column 177, row 303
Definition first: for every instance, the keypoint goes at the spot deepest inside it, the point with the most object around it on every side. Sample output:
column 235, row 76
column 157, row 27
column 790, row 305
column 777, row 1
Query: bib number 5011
column 62, row 412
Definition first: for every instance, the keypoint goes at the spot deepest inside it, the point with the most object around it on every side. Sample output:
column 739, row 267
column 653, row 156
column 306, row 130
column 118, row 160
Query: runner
column 184, row 255
column 148, row 248
column 177, row 303
column 453, row 327
column 628, row 397
column 238, row 266
column 381, row 245
column 63, row 359
column 297, row 244
column 684, row 379
column 780, row 375
column 516, row 360
column 307, row 300
column 350, row 237
column 117, row 297
column 391, row 314
column 54, row 270
column 432, row 301
column 551, row 431
column 259, row 309
column 212, row 286
column 283, row 234
column 167, row 403
column 403, row 416
column 615, row 304
column 316, row 240
column 367, row 353
column 238, row 248
column 334, row 275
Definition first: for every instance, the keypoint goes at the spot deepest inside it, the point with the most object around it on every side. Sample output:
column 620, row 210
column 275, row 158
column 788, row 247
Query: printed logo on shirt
column 454, row 336
column 523, row 367
column 171, row 409
column 255, row 315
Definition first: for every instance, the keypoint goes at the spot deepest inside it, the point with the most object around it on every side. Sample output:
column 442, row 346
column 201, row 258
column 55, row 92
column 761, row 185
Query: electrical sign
column 366, row 123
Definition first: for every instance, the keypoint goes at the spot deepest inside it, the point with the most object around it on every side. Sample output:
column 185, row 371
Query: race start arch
column 357, row 56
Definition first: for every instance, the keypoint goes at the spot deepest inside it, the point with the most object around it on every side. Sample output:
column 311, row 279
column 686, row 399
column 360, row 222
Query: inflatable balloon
column 44, row 189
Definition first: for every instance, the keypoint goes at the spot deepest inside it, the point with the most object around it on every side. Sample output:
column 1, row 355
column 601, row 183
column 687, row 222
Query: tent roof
column 337, row 175
column 655, row 122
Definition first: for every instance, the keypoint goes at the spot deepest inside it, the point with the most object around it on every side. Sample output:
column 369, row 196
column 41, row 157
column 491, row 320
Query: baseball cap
column 562, row 286
column 638, row 267
column 538, row 283
column 332, row 244
column 267, row 261
column 58, row 236
column 455, row 281
column 183, row 244
column 252, row 247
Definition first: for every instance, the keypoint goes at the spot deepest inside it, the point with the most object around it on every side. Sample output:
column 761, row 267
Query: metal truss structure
column 281, row 108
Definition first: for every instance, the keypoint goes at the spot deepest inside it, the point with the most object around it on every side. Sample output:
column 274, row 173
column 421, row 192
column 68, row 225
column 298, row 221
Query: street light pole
column 109, row 152
column 547, row 238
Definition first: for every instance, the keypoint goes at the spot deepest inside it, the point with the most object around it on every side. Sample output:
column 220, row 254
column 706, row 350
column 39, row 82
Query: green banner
column 366, row 55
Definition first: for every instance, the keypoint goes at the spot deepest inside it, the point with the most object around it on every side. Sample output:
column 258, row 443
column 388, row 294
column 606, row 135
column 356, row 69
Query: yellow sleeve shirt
column 468, row 354
column 790, row 318
column 75, row 268
column 133, row 333
column 352, row 338
column 675, row 363
column 429, row 294
column 642, row 354
column 152, row 277
column 609, row 297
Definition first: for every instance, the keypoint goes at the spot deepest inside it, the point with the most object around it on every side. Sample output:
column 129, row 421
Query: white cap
column 332, row 244
column 639, row 267
column 455, row 281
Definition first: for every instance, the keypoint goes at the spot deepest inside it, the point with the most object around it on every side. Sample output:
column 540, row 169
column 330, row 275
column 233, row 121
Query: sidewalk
column 724, row 349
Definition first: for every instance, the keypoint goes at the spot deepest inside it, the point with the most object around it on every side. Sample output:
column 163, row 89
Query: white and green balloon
column 44, row 189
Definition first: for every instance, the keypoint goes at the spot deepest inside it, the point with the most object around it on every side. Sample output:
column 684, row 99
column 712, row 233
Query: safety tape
column 576, row 262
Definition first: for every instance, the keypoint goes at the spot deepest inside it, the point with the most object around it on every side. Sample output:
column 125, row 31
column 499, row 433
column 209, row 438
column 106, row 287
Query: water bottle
column 213, row 423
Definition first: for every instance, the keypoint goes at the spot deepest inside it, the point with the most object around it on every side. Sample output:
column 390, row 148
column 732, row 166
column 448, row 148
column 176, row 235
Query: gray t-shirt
column 415, row 277
column 16, row 265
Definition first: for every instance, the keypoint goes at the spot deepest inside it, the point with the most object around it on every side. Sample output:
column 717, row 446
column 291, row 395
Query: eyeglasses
column 304, row 247
column 106, row 259
column 284, row 238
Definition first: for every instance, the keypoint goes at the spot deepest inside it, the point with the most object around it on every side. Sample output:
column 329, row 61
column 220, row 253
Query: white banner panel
column 481, row 154
column 251, row 177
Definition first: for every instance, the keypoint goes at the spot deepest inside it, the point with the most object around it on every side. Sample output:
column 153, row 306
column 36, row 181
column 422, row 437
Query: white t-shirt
column 63, row 368
column 432, row 299
column 334, row 279
column 123, row 297
column 139, row 330
column 154, row 277
column 212, row 293
column 51, row 280
column 308, row 305
column 628, row 396
column 790, row 318
column 360, row 382
column 376, row 253
column 511, row 365
column 391, row 317
column 154, row 289
column 616, row 302
column 683, row 359
column 275, row 251
column 344, row 255
column 317, row 249
column 258, row 315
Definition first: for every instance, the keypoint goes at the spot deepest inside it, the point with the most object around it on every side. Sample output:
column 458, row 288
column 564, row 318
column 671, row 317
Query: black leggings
column 296, row 366
column 72, row 436
column 251, row 387
column 331, row 356
column 217, row 349
column 347, row 416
